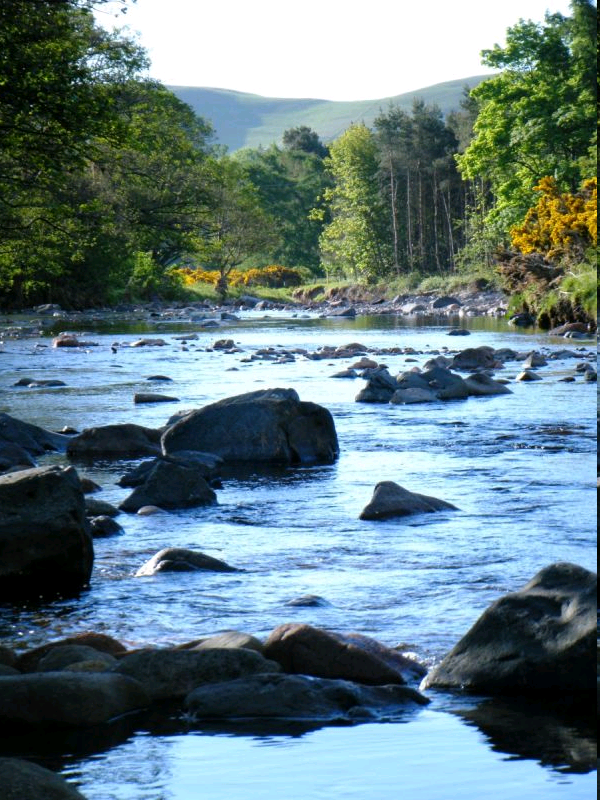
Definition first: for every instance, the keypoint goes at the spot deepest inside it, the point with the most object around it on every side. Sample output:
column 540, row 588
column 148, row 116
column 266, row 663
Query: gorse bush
column 561, row 226
column 273, row 277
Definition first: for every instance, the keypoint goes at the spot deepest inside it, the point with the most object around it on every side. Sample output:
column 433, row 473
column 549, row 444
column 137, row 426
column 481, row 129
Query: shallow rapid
column 519, row 467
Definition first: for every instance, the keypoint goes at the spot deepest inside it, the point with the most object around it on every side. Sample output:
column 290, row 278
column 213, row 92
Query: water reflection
column 554, row 734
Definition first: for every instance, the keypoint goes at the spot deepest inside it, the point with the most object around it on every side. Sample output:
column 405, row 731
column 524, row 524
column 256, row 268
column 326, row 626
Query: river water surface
column 519, row 467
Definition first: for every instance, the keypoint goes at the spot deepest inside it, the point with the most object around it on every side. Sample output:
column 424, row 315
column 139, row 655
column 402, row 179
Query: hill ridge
column 242, row 119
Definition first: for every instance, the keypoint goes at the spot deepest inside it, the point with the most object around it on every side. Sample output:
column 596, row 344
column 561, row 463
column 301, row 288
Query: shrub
column 561, row 226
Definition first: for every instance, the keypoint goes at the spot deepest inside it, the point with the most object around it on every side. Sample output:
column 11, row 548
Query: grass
column 410, row 283
column 574, row 299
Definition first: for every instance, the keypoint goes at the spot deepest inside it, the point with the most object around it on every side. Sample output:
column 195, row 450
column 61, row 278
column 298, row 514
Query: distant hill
column 249, row 120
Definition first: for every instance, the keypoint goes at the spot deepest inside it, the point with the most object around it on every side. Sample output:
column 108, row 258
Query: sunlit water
column 520, row 469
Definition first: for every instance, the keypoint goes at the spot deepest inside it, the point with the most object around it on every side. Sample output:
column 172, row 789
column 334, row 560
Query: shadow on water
column 555, row 735
column 68, row 747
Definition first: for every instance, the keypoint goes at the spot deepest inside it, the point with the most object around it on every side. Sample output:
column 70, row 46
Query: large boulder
column 305, row 650
column 380, row 386
column 172, row 673
column 300, row 697
column 24, row 780
column 35, row 440
column 67, row 698
column 391, row 500
column 541, row 638
column 446, row 384
column 271, row 425
column 474, row 358
column 46, row 546
column 125, row 440
column 169, row 486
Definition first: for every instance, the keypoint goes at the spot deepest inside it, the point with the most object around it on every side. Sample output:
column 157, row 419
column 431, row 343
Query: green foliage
column 537, row 117
column 149, row 280
column 352, row 244
column 288, row 183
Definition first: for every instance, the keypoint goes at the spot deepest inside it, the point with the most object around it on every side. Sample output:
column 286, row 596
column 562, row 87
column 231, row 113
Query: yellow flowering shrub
column 560, row 224
column 273, row 277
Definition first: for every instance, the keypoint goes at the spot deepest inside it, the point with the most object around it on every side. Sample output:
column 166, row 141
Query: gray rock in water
column 33, row 439
column 179, row 559
column 527, row 375
column 446, row 384
column 13, row 456
column 534, row 360
column 268, row 426
column 380, row 386
column 482, row 385
column 97, row 508
column 206, row 464
column 300, row 697
column 540, row 639
column 68, row 698
column 169, row 486
column 24, row 780
column 309, row 601
column 104, row 526
column 413, row 395
column 391, row 500
column 474, row 358
column 174, row 673
column 45, row 538
column 126, row 440
column 301, row 648
column 151, row 397
column 231, row 640
column 63, row 656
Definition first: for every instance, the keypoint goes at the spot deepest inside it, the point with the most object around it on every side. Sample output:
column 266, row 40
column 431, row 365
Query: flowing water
column 519, row 467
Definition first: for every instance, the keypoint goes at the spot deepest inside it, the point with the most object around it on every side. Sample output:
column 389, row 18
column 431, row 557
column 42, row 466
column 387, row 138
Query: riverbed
column 519, row 467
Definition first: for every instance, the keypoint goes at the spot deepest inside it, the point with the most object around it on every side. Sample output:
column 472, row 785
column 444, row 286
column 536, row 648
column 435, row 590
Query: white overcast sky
column 329, row 49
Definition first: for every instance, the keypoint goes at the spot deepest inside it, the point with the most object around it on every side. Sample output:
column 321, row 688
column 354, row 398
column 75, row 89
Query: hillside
column 249, row 120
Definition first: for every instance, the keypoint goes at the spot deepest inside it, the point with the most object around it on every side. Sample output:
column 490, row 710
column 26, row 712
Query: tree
column 353, row 243
column 537, row 117
column 303, row 139
column 420, row 186
column 289, row 183
column 237, row 227
column 58, row 75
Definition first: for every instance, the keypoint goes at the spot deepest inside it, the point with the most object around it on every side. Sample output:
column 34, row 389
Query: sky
column 325, row 49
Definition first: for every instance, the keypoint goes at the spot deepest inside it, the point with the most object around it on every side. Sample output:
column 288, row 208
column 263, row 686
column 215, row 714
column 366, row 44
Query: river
column 519, row 467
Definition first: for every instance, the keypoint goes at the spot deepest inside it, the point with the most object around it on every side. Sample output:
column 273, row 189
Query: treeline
column 110, row 185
